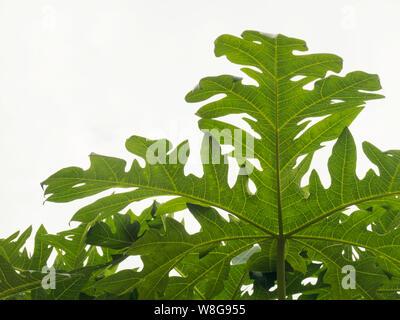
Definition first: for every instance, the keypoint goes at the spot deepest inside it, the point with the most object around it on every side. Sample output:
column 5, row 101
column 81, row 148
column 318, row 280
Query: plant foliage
column 274, row 238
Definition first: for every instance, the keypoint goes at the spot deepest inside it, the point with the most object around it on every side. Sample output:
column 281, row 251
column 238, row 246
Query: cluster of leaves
column 274, row 238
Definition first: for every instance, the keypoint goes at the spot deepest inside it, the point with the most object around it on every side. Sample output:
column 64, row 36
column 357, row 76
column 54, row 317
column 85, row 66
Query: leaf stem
column 280, row 267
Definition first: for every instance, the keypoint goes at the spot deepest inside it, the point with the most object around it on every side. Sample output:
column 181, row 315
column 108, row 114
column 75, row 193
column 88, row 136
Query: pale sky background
column 82, row 76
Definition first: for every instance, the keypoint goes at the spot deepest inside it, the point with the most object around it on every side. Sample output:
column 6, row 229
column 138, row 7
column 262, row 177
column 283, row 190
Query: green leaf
column 41, row 252
column 11, row 250
column 293, row 224
column 162, row 252
column 126, row 233
column 70, row 245
column 238, row 276
column 67, row 285
column 12, row 283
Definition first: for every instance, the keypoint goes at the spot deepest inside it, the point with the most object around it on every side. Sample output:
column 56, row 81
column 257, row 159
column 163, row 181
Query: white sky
column 82, row 76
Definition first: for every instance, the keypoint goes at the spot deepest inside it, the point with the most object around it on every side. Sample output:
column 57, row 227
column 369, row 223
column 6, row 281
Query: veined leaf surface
column 293, row 224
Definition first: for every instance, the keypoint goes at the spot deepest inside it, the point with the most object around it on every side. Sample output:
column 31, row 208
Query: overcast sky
column 82, row 76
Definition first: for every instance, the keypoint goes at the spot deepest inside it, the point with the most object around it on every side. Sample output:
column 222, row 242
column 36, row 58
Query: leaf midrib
column 353, row 243
column 178, row 193
column 277, row 153
column 344, row 206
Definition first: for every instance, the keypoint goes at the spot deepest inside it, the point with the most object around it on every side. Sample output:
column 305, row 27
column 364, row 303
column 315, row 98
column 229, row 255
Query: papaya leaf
column 23, row 275
column 126, row 233
column 292, row 224
column 160, row 253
